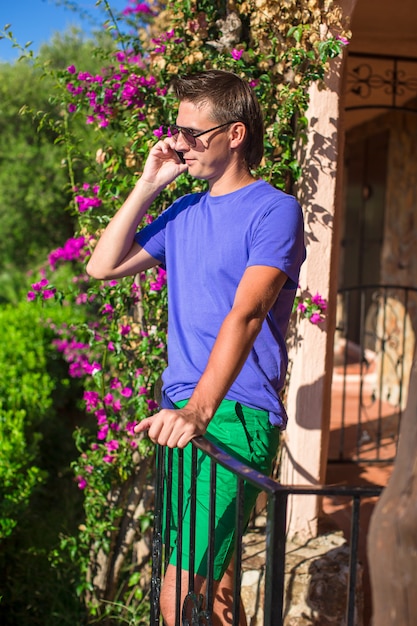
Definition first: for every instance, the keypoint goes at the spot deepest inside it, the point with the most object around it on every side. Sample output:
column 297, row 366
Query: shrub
column 32, row 385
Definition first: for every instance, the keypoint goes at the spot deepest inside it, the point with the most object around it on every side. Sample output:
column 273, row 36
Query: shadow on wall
column 308, row 413
column 319, row 157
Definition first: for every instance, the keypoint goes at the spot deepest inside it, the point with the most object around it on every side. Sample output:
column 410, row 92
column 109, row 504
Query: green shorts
column 247, row 435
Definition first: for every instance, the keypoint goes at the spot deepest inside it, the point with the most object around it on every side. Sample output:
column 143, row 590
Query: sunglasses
column 190, row 135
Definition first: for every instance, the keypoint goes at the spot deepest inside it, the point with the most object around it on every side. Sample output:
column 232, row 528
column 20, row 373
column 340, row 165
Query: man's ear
column 237, row 134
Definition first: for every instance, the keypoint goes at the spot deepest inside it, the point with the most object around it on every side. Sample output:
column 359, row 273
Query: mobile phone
column 180, row 156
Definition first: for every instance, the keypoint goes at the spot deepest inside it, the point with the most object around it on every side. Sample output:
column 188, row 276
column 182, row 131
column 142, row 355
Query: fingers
column 163, row 164
column 166, row 146
column 168, row 428
column 154, row 425
column 143, row 425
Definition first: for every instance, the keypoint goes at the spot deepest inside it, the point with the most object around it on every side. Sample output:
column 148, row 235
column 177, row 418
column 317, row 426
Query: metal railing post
column 275, row 558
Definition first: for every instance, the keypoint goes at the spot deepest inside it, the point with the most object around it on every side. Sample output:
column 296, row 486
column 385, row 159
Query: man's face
column 211, row 157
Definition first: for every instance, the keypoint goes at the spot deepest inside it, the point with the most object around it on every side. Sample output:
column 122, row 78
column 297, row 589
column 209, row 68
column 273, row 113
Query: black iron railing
column 376, row 336
column 275, row 537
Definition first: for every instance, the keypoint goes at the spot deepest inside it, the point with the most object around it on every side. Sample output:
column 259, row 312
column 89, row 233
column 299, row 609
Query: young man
column 232, row 256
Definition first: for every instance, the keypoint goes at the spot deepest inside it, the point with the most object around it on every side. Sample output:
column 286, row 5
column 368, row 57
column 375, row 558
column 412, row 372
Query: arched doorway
column 376, row 333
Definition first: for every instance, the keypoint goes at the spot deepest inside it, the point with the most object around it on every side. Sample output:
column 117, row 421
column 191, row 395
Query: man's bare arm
column 116, row 253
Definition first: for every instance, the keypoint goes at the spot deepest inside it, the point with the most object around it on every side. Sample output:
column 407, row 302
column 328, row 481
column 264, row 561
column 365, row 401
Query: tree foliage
column 34, row 189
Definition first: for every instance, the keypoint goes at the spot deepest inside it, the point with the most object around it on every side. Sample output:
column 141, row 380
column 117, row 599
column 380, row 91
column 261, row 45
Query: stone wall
column 316, row 581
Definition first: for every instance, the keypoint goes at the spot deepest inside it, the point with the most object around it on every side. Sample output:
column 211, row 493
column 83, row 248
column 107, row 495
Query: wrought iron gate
column 374, row 346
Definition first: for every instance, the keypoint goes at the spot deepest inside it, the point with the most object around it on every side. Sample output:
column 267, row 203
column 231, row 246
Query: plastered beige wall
column 305, row 441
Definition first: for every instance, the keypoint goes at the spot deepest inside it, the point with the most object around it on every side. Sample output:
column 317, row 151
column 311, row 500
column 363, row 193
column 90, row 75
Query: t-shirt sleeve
column 278, row 239
column 152, row 238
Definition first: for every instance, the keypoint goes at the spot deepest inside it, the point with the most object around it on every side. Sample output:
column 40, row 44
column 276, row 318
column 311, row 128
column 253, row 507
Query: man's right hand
column 116, row 253
column 163, row 164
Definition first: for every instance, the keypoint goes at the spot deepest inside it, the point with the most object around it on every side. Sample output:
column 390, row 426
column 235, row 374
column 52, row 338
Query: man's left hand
column 173, row 427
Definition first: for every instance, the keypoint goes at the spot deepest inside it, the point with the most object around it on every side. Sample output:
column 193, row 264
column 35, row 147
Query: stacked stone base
column 316, row 581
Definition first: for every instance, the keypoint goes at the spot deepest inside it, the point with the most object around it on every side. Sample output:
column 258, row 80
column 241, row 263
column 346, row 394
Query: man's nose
column 181, row 145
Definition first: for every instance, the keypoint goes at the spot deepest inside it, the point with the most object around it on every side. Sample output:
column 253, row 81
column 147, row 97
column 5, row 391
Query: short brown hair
column 231, row 99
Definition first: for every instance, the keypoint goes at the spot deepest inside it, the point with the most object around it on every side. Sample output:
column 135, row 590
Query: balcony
column 274, row 599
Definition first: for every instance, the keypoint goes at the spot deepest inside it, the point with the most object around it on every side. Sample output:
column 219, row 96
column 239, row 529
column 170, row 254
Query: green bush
column 32, row 385
column 39, row 499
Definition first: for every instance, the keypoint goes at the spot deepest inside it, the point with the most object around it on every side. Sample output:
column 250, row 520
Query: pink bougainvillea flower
column 40, row 285
column 126, row 392
column 61, row 344
column 112, row 445
column 108, row 399
column 75, row 370
column 101, row 416
column 117, row 406
column 161, row 49
column 236, row 54
column 81, row 481
column 152, row 405
column 102, row 433
column 108, row 458
column 124, row 330
column 158, row 132
column 92, row 368
column 108, row 309
column 342, row 40
column 315, row 318
column 160, row 281
column 91, row 398
column 130, row 428
column 48, row 294
column 319, row 301
column 84, row 204
column 138, row 7
column 81, row 298
column 74, row 248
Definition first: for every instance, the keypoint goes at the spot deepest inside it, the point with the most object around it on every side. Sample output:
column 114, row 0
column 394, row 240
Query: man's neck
column 230, row 182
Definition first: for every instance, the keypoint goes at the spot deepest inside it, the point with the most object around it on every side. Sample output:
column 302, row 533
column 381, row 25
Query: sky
column 38, row 20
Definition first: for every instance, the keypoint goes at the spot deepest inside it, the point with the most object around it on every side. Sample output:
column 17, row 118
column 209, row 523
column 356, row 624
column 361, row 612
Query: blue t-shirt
column 205, row 243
